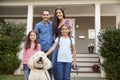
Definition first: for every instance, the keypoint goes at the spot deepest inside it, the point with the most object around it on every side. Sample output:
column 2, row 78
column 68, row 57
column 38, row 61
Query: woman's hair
column 56, row 21
column 28, row 41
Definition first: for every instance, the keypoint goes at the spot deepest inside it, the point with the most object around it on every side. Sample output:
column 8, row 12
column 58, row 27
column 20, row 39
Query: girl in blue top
column 66, row 53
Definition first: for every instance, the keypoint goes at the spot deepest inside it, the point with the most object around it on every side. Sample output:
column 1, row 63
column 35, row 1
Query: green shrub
column 11, row 36
column 110, row 51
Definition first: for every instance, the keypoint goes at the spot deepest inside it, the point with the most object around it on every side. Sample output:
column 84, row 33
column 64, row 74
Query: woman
column 58, row 20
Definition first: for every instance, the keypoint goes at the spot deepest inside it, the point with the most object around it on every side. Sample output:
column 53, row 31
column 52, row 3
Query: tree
column 110, row 51
column 11, row 36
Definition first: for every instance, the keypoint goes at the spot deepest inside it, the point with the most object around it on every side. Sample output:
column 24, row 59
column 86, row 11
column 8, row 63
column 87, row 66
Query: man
column 46, row 35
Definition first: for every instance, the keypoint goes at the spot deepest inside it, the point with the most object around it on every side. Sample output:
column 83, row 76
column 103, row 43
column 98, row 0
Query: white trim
column 117, row 21
column 41, row 3
column 68, row 2
column 13, row 15
column 109, row 1
column 68, row 15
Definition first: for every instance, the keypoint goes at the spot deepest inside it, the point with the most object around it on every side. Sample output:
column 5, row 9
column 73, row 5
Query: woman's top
column 28, row 53
column 64, row 52
column 67, row 22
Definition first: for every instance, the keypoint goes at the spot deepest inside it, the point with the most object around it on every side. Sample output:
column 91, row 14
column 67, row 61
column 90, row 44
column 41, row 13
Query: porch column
column 29, row 19
column 97, row 29
column 97, row 25
column 118, row 21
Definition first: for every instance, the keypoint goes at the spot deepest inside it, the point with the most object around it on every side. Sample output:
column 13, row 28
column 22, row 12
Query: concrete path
column 85, row 78
column 91, row 78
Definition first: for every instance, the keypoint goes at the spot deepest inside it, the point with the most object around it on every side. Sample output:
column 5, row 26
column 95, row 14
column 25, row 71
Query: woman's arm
column 51, row 49
column 69, row 23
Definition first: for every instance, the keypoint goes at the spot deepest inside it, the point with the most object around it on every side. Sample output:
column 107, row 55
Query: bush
column 110, row 51
column 11, row 36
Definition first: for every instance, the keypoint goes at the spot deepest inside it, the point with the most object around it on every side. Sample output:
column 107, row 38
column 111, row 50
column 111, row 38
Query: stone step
column 86, row 63
column 85, row 74
column 87, row 59
column 87, row 55
column 87, row 78
column 84, row 68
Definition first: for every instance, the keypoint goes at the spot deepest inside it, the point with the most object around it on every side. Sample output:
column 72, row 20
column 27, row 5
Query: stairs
column 85, row 61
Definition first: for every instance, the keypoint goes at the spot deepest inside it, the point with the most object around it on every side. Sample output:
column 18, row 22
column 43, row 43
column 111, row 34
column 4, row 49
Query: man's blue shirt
column 46, row 35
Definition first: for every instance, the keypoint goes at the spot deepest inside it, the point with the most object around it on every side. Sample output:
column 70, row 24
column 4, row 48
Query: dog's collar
column 39, row 68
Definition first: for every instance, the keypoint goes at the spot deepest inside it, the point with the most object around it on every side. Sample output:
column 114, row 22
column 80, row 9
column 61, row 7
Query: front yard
column 11, row 77
column 20, row 77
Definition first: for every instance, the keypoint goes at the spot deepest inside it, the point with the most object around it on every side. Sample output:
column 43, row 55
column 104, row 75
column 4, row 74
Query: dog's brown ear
column 30, row 63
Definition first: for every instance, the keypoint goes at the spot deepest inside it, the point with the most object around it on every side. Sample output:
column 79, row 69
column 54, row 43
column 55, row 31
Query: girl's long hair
column 28, row 41
column 55, row 20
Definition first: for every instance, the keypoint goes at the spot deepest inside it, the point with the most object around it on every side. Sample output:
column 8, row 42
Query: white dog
column 39, row 64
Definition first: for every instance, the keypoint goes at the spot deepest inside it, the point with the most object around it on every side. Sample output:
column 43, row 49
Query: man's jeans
column 54, row 64
column 50, row 58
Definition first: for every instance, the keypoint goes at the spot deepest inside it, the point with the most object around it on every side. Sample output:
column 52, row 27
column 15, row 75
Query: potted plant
column 91, row 47
column 95, row 68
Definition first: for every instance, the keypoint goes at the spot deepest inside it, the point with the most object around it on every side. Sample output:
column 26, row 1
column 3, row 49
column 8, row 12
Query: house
column 88, row 17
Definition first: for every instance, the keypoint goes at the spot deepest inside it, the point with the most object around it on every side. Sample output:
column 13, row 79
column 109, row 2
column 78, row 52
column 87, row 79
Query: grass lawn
column 11, row 77
column 20, row 77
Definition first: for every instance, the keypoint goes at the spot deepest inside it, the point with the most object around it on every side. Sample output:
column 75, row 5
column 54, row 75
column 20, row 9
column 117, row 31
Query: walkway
column 86, row 78
column 83, row 78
